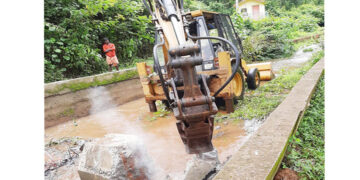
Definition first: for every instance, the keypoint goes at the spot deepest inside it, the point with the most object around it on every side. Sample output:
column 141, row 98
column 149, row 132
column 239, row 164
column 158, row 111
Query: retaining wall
column 316, row 36
column 64, row 104
column 259, row 158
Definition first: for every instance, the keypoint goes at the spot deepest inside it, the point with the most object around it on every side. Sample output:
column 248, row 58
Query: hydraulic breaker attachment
column 194, row 108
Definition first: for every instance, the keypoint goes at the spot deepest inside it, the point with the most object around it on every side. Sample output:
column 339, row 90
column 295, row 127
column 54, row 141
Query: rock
column 81, row 144
column 225, row 123
column 217, row 127
column 202, row 165
column 116, row 156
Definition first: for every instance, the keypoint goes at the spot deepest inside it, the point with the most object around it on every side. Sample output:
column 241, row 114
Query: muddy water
column 160, row 135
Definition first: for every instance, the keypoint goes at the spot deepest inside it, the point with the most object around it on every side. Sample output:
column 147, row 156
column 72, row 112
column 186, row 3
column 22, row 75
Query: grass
column 262, row 101
column 305, row 153
column 162, row 111
column 308, row 50
column 66, row 112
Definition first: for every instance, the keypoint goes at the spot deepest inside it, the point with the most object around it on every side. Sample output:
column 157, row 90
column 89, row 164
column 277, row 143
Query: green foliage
column 272, row 6
column 262, row 101
column 221, row 6
column 308, row 50
column 244, row 27
column 74, row 32
column 306, row 153
column 306, row 14
column 67, row 112
column 272, row 37
column 193, row 5
column 163, row 111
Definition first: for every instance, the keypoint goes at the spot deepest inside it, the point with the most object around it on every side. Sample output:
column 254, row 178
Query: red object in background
column 256, row 11
column 109, row 46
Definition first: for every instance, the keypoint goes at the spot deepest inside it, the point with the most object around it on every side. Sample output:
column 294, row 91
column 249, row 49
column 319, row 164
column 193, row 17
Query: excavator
column 197, row 67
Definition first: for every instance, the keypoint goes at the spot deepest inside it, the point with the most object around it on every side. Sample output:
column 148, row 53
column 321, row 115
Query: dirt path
column 297, row 60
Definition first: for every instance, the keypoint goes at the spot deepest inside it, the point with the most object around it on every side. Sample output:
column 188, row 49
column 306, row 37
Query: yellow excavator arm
column 195, row 70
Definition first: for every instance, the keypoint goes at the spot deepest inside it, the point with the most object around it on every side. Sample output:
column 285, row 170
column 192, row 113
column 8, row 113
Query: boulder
column 116, row 156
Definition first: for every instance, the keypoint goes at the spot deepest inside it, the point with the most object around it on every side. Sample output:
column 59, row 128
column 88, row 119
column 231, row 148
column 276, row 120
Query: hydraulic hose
column 148, row 6
column 181, row 3
column 237, row 64
column 158, row 67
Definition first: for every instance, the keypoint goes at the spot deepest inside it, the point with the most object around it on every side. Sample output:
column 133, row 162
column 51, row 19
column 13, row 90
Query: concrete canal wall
column 69, row 99
column 259, row 158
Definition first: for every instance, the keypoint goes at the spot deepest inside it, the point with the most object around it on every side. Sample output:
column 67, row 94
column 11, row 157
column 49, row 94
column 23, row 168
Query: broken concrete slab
column 202, row 165
column 116, row 156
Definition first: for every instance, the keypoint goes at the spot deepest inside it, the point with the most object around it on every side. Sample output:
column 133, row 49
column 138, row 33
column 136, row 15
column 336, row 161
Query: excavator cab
column 215, row 24
column 220, row 25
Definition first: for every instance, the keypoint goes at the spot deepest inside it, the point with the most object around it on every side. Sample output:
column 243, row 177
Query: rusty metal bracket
column 195, row 109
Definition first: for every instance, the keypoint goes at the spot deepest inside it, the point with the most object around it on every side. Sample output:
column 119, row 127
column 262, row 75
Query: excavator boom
column 193, row 106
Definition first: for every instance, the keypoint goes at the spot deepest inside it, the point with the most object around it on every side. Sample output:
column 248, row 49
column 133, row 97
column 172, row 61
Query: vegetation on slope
column 262, row 101
column 305, row 153
column 74, row 29
column 272, row 37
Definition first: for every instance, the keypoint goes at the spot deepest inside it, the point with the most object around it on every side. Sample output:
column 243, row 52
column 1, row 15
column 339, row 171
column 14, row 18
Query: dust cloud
column 100, row 101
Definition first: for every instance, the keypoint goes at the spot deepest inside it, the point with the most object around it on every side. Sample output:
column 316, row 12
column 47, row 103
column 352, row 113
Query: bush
column 74, row 31
column 308, row 11
column 314, row 11
column 271, row 37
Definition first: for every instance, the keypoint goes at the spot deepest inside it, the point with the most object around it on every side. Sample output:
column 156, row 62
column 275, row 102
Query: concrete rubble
column 202, row 166
column 116, row 156
column 61, row 158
